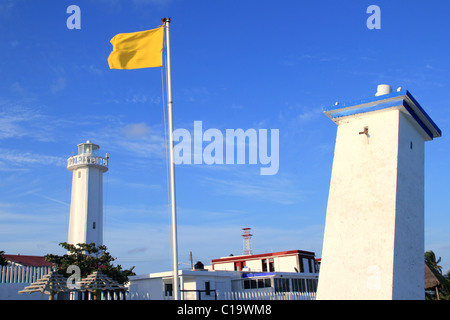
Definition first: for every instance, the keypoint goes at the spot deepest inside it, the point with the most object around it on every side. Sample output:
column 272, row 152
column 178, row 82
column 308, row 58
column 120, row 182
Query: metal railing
column 87, row 159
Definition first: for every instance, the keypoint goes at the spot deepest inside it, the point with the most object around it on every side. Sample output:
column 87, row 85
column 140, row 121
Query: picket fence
column 22, row 274
column 267, row 295
column 242, row 296
column 138, row 296
column 28, row 274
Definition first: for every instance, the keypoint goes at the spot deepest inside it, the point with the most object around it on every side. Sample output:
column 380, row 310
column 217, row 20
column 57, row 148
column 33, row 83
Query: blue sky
column 247, row 64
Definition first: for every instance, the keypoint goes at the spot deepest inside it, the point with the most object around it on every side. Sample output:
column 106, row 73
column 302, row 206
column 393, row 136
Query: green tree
column 430, row 258
column 444, row 287
column 89, row 258
column 3, row 261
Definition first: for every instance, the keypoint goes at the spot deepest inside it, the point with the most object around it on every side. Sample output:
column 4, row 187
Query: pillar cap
column 402, row 100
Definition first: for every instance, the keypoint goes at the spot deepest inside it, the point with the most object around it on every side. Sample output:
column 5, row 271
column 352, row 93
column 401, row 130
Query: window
column 281, row 285
column 304, row 285
column 300, row 261
column 299, row 285
column 264, row 283
column 250, row 284
column 312, row 285
column 239, row 265
column 168, row 289
column 264, row 265
column 207, row 288
column 257, row 283
column 271, row 265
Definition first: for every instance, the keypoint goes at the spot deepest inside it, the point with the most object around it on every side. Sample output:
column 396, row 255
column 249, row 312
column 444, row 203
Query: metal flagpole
column 176, row 294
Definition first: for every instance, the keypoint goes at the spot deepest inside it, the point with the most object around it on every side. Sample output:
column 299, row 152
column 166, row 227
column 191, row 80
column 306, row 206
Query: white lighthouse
column 86, row 205
column 374, row 231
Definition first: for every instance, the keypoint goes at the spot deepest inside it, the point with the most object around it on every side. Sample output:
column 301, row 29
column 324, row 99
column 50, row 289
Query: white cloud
column 137, row 140
column 53, row 199
column 18, row 121
column 136, row 131
column 160, row 3
column 309, row 238
column 37, row 232
column 93, row 69
column 6, row 8
column 58, row 85
column 273, row 189
column 15, row 159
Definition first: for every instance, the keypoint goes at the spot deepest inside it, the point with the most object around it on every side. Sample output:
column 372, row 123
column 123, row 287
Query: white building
column 86, row 204
column 284, row 272
column 194, row 284
column 374, row 232
column 284, row 261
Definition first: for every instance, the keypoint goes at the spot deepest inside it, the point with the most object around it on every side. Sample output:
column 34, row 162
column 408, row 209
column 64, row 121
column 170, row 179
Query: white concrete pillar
column 86, row 205
column 374, row 231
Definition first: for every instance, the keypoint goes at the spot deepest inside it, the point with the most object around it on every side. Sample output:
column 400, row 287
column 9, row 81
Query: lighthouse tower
column 374, row 231
column 86, row 205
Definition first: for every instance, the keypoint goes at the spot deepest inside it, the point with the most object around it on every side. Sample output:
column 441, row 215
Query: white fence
column 21, row 274
column 138, row 296
column 14, row 278
column 242, row 296
column 267, row 295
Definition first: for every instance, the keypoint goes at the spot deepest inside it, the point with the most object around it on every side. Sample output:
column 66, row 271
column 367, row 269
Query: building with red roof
column 27, row 261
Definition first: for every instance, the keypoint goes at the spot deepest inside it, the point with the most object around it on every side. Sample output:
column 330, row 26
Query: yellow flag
column 137, row 49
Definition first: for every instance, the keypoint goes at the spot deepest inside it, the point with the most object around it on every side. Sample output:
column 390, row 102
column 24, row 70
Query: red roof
column 32, row 261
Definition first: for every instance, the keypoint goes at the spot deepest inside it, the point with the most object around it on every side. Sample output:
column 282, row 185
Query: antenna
column 247, row 241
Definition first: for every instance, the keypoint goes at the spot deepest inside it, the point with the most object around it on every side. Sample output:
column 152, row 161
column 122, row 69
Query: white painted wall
column 288, row 263
column 254, row 265
column 375, row 211
column 148, row 287
column 226, row 266
column 86, row 206
column 153, row 284
column 9, row 291
column 408, row 282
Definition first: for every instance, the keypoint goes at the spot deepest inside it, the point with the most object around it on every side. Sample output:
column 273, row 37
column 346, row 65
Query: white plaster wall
column 357, row 255
column 146, row 285
column 95, row 207
column 78, row 203
column 190, row 283
column 86, row 206
column 190, row 280
column 9, row 291
column 281, row 264
column 408, row 282
column 287, row 264
column 227, row 266
column 254, row 265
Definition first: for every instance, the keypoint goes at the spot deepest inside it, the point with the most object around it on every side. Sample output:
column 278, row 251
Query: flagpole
column 176, row 294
